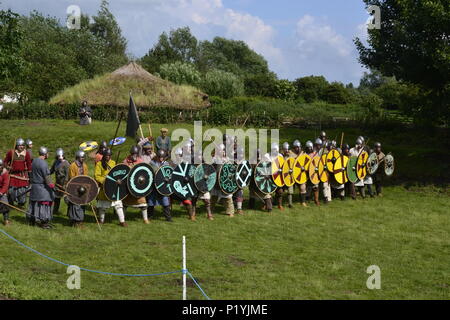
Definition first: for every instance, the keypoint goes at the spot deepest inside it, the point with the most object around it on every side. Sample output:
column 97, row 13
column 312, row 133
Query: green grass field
column 300, row 253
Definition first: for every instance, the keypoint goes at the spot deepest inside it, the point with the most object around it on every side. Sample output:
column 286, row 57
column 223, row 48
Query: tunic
column 75, row 211
column 100, row 176
column 61, row 170
column 20, row 168
column 41, row 195
column 4, row 183
column 163, row 143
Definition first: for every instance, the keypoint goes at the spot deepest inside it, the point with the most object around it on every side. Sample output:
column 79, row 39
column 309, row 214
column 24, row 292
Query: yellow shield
column 314, row 170
column 288, row 172
column 332, row 156
column 361, row 165
column 323, row 172
column 340, row 169
column 277, row 170
column 301, row 167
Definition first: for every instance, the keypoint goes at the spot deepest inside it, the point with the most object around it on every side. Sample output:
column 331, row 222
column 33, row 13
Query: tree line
column 408, row 59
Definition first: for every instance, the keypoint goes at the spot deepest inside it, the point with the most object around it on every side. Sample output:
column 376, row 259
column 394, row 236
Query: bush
column 371, row 106
column 222, row 84
column 285, row 90
column 336, row 93
column 180, row 73
column 311, row 88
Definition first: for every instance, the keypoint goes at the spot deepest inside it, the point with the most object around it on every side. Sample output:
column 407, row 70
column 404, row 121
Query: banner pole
column 184, row 268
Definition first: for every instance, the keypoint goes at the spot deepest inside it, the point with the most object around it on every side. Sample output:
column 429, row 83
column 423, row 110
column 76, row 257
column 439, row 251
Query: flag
column 133, row 120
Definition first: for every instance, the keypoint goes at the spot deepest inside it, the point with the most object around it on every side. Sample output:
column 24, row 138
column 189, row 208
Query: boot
column 191, row 212
column 290, row 200
column 56, row 206
column 268, row 205
column 280, row 203
column 369, row 188
column 208, row 210
column 166, row 212
column 303, row 199
column 123, row 224
column 316, row 197
column 363, row 192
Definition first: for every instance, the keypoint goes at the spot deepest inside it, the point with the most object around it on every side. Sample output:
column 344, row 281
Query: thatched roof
column 148, row 91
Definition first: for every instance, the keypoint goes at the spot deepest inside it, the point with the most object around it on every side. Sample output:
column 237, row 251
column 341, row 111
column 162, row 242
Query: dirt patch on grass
column 34, row 124
column 237, row 261
column 189, row 282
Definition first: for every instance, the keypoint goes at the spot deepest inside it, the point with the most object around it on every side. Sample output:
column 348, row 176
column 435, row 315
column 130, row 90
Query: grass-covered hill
column 113, row 89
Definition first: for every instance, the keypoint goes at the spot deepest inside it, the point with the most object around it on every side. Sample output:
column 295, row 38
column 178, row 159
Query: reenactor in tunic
column 155, row 198
column 355, row 152
column 204, row 196
column 42, row 192
column 378, row 176
column 130, row 201
column 238, row 196
column 163, row 141
column 60, row 168
column 18, row 161
column 4, row 183
column 338, row 189
column 29, row 147
column 85, row 114
column 255, row 193
column 295, row 153
column 349, row 186
column 312, row 150
column 217, row 194
column 102, row 169
column 77, row 168
column 280, row 190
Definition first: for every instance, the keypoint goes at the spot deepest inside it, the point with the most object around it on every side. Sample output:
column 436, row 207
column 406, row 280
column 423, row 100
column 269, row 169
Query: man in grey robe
column 42, row 192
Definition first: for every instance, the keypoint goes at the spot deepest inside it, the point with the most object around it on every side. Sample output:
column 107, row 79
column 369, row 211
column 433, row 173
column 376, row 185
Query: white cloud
column 314, row 36
column 236, row 25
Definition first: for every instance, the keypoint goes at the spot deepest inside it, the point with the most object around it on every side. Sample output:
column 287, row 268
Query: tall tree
column 106, row 27
column 177, row 46
column 413, row 45
column 11, row 49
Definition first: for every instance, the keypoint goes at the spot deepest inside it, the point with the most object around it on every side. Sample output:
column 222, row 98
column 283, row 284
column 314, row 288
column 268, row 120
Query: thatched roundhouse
column 148, row 91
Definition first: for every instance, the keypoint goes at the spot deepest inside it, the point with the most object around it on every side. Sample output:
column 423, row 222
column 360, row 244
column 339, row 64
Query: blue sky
column 298, row 38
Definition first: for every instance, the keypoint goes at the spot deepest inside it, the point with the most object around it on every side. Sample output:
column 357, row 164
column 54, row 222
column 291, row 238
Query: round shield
column 263, row 177
column 361, row 166
column 82, row 190
column 323, row 172
column 314, row 170
column 339, row 169
column 163, row 180
column 243, row 174
column 332, row 156
column 389, row 165
column 140, row 180
column 288, row 172
column 277, row 170
column 227, row 178
column 183, row 181
column 301, row 167
column 205, row 177
column 351, row 169
column 117, row 141
column 115, row 185
column 88, row 146
column 372, row 163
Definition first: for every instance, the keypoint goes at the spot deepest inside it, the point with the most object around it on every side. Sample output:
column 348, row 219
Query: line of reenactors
column 146, row 179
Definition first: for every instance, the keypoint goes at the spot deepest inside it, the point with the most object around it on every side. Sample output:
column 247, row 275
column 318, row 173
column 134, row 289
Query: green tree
column 106, row 27
column 285, row 90
column 413, row 45
column 222, row 84
column 11, row 50
column 311, row 88
column 178, row 46
column 336, row 93
column 180, row 73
